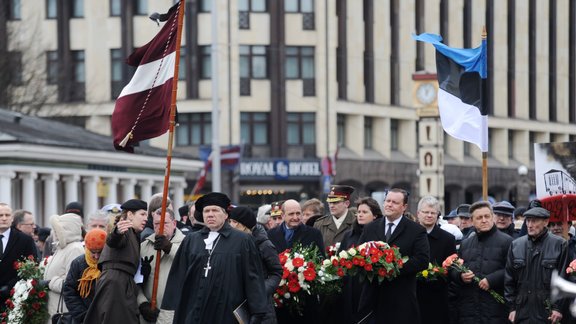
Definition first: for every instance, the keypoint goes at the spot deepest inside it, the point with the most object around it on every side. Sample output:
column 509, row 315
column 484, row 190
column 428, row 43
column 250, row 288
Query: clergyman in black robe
column 215, row 270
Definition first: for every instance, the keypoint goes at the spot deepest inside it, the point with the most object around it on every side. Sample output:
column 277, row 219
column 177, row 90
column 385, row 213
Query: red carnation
column 374, row 259
column 16, row 265
column 283, row 258
column 41, row 294
column 4, row 315
column 335, row 262
column 362, row 262
column 33, row 282
column 293, row 286
column 31, row 258
column 400, row 262
column 389, row 258
column 382, row 272
column 36, row 306
column 292, row 276
column 309, row 274
column 285, row 273
column 340, row 272
column 311, row 264
column 32, row 291
column 368, row 267
column 298, row 262
column 355, row 261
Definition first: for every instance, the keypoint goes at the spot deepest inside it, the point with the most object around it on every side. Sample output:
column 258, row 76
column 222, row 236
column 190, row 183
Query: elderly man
column 395, row 301
column 24, row 222
column 340, row 219
column 168, row 243
column 98, row 219
column 531, row 261
column 484, row 253
column 504, row 217
column 433, row 295
column 219, row 266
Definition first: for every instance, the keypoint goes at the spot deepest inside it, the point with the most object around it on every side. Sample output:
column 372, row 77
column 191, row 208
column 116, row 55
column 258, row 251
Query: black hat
column 244, row 216
column 340, row 193
column 534, row 203
column 503, row 208
column 213, row 199
column 537, row 212
column 451, row 214
column 463, row 211
column 134, row 205
column 74, row 207
column 184, row 210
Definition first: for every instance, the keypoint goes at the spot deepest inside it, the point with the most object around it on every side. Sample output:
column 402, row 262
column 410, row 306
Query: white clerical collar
column 212, row 236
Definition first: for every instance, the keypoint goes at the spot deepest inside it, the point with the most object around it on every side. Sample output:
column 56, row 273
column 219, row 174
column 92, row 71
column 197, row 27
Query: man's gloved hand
column 162, row 243
column 4, row 293
column 151, row 315
column 256, row 318
column 146, row 267
column 44, row 283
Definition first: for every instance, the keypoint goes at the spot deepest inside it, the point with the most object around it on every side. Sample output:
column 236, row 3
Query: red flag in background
column 142, row 110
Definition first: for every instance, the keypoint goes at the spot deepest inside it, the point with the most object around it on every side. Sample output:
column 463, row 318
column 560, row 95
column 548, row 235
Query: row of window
column 141, row 7
column 196, row 129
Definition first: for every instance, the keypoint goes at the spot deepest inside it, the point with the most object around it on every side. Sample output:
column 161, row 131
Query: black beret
column 503, row 208
column 184, row 210
column 134, row 205
column 244, row 216
column 537, row 212
column 213, row 199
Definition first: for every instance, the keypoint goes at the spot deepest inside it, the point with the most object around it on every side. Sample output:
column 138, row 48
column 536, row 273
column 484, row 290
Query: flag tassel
column 126, row 139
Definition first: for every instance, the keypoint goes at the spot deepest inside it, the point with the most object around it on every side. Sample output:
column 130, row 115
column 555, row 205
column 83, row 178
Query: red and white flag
column 142, row 110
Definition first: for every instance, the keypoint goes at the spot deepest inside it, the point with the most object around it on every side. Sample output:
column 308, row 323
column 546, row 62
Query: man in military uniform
column 340, row 219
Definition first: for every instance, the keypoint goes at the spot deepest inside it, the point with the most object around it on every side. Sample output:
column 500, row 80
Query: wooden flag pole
column 485, row 136
column 181, row 6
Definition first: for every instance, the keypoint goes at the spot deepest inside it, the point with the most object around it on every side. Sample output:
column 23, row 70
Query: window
column 52, row 70
column 182, row 66
column 303, row 6
column 116, row 62
column 253, row 62
column 368, row 132
column 51, row 9
column 467, row 149
column 194, row 129
column 205, row 63
column 394, row 135
column 254, row 128
column 252, row 5
column 77, row 9
column 341, row 129
column 14, row 10
column 205, row 5
column 78, row 76
column 141, row 7
column 115, row 8
column 301, row 128
column 531, row 141
column 299, row 62
column 510, row 144
column 15, row 68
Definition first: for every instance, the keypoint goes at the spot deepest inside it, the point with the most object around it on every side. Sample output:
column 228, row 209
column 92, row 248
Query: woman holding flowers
column 368, row 210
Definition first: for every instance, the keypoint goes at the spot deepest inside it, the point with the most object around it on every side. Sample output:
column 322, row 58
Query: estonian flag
column 460, row 73
column 142, row 109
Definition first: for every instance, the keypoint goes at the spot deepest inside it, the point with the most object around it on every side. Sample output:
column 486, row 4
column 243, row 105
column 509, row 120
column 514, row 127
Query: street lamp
column 523, row 187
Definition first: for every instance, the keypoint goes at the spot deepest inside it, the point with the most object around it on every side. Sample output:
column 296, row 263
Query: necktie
column 288, row 236
column 1, row 247
column 389, row 231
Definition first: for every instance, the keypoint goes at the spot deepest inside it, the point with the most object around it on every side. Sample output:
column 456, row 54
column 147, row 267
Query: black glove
column 43, row 283
column 256, row 318
column 149, row 314
column 146, row 267
column 4, row 293
column 162, row 243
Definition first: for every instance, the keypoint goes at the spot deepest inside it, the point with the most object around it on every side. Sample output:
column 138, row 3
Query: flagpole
column 216, row 171
column 169, row 152
column 484, row 102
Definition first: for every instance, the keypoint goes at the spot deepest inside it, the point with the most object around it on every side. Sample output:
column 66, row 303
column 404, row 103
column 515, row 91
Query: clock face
column 426, row 93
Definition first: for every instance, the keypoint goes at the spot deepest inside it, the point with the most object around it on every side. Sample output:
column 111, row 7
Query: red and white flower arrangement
column 28, row 301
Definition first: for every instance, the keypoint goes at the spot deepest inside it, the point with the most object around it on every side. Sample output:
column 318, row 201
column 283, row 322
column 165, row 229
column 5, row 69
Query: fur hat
column 244, row 216
column 213, row 199
column 67, row 228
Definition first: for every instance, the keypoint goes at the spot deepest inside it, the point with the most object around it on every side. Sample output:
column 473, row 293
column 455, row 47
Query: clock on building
column 426, row 93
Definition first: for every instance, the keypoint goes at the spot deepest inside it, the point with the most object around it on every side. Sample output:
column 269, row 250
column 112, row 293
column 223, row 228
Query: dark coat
column 529, row 269
column 433, row 295
column 306, row 235
column 484, row 254
column 115, row 300
column 19, row 246
column 235, row 275
column 272, row 269
column 395, row 301
column 77, row 306
column 511, row 230
column 330, row 233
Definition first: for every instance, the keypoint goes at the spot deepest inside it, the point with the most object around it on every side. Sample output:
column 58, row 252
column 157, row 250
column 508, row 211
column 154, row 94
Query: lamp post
column 523, row 187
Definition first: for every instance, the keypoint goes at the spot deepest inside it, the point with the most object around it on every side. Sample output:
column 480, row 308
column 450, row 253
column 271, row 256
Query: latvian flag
column 460, row 74
column 142, row 110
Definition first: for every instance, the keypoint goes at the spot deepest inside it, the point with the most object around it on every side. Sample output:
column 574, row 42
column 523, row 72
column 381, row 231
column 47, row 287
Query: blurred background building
column 304, row 80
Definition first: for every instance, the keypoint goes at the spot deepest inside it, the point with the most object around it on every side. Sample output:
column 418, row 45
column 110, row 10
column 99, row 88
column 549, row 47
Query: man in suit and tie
column 284, row 236
column 14, row 245
column 395, row 301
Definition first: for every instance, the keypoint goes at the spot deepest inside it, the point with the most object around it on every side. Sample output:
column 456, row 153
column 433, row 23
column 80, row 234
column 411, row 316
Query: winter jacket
column 271, row 267
column 529, row 269
column 485, row 254
column 330, row 233
column 510, row 230
column 77, row 306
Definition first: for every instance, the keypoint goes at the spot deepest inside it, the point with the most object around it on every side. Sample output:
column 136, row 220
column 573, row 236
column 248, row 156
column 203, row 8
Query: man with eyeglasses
column 24, row 222
column 340, row 219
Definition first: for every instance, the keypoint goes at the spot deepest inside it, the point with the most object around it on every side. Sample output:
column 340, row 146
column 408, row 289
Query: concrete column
column 178, row 196
column 71, row 187
column 29, row 191
column 127, row 189
column 146, row 189
column 6, row 187
column 50, row 197
column 90, row 200
column 112, row 197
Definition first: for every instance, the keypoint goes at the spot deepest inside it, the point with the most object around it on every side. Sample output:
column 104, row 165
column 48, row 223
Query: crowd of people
column 219, row 263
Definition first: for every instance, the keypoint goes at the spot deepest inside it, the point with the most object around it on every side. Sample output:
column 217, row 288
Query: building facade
column 302, row 80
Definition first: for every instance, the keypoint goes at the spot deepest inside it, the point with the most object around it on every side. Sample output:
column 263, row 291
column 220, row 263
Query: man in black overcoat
column 395, row 301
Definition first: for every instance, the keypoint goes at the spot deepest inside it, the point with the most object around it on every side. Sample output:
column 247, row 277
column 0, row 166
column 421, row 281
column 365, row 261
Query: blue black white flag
column 460, row 73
